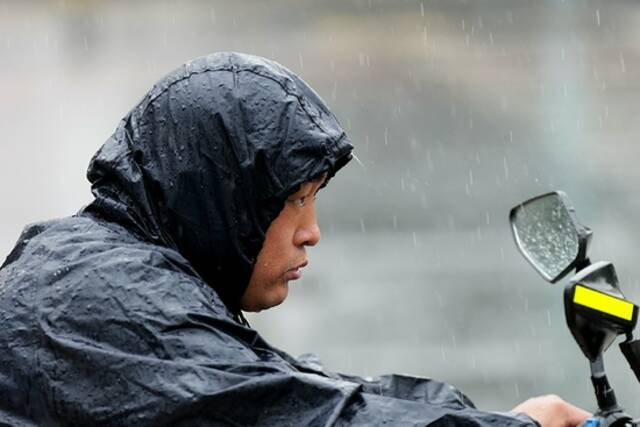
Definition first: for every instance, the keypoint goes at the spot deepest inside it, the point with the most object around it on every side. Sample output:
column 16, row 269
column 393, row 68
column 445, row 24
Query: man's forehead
column 318, row 181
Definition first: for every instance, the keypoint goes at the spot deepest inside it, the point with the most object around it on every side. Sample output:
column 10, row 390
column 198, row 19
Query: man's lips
column 296, row 272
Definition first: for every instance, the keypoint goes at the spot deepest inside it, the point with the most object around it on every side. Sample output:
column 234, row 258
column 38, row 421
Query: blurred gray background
column 458, row 111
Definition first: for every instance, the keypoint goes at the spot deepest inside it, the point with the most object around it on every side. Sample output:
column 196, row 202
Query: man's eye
column 300, row 201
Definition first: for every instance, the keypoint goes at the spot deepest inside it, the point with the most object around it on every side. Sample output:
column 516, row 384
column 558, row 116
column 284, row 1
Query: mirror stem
column 583, row 264
column 604, row 393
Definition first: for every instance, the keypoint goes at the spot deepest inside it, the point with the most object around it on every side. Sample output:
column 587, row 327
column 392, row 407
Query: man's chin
column 278, row 296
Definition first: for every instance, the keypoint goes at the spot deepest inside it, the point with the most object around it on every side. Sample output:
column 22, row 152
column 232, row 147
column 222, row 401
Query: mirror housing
column 549, row 235
column 596, row 310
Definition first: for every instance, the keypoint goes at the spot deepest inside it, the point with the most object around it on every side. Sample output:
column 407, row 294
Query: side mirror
column 549, row 236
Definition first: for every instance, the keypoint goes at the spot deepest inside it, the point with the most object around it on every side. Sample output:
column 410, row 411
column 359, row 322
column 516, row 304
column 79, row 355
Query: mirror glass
column 546, row 235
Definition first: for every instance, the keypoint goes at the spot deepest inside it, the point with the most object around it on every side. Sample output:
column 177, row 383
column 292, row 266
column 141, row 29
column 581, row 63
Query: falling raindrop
column 506, row 168
column 212, row 15
column 451, row 222
column 429, row 160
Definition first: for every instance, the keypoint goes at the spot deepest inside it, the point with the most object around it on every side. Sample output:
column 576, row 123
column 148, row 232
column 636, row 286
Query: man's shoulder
column 81, row 259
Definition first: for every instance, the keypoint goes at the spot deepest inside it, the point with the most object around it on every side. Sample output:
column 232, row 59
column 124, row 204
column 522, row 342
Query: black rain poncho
column 126, row 314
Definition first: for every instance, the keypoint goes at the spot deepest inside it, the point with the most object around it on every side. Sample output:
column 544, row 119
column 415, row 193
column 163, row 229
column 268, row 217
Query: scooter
column 550, row 237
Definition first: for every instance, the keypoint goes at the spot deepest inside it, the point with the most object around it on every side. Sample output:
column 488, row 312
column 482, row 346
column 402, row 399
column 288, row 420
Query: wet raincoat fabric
column 127, row 313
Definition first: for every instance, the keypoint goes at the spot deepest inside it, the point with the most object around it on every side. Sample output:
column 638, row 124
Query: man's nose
column 314, row 235
column 308, row 234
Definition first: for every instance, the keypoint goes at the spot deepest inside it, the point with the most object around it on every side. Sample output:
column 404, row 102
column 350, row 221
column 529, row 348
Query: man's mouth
column 296, row 272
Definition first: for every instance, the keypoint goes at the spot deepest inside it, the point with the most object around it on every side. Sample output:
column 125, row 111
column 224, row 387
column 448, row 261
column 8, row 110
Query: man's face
column 283, row 253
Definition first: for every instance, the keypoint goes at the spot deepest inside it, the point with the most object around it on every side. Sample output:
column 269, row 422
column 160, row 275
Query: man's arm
column 547, row 410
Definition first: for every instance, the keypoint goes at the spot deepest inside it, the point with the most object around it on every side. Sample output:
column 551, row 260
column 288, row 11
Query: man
column 129, row 313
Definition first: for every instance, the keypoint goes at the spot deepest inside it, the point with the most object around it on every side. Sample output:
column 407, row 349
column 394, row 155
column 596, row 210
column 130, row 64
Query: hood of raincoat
column 204, row 162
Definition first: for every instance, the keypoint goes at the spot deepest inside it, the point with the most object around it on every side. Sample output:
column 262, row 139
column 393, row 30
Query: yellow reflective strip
column 603, row 302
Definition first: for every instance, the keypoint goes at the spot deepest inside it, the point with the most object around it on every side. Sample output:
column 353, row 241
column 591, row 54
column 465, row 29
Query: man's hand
column 551, row 411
